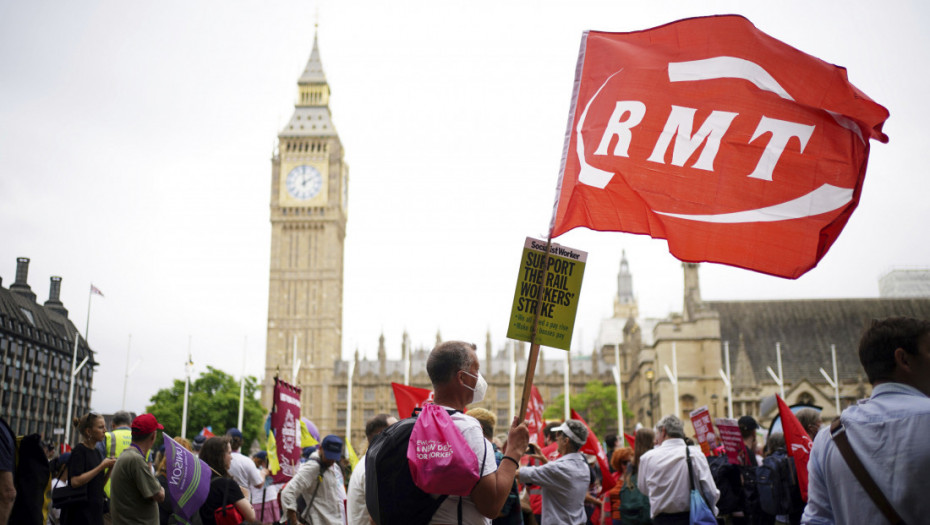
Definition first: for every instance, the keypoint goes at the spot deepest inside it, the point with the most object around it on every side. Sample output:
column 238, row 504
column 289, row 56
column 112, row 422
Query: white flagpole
column 406, row 350
column 187, row 385
column 74, row 371
column 726, row 350
column 129, row 370
column 619, row 391
column 349, row 402
column 90, row 294
column 245, row 346
column 296, row 363
column 836, row 380
column 673, row 378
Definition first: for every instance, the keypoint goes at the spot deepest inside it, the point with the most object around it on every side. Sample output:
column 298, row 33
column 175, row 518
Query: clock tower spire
column 309, row 196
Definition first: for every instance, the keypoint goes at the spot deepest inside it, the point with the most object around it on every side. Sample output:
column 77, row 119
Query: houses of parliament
column 309, row 212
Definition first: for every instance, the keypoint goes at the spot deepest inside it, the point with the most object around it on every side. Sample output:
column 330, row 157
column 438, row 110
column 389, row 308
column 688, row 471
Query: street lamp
column 650, row 375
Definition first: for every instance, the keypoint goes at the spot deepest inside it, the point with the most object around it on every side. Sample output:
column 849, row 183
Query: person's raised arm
column 84, row 479
column 491, row 491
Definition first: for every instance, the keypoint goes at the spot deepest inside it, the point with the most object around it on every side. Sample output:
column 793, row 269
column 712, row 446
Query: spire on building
column 624, row 303
column 692, row 302
column 313, row 72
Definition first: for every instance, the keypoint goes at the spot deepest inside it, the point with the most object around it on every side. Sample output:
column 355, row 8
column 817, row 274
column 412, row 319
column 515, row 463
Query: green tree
column 214, row 401
column 597, row 404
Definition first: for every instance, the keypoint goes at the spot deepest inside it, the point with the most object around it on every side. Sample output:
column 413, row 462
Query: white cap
column 565, row 429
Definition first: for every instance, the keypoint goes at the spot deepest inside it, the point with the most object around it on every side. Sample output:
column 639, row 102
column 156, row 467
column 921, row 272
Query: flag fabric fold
column 535, row 423
column 408, row 398
column 188, row 479
column 593, row 446
column 733, row 146
column 797, row 442
column 95, row 290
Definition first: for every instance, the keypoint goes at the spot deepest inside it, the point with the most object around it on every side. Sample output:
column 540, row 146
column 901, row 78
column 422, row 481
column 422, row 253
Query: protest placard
column 559, row 276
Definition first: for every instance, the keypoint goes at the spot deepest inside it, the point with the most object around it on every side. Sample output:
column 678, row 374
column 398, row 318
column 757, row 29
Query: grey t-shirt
column 131, row 489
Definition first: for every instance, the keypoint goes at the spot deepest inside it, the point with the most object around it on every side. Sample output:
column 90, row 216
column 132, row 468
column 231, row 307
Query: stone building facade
column 36, row 349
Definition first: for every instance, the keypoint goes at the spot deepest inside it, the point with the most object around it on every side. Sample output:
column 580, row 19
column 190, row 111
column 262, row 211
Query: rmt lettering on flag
column 730, row 144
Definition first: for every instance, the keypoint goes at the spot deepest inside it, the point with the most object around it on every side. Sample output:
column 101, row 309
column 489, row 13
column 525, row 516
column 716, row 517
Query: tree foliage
column 597, row 404
column 214, row 402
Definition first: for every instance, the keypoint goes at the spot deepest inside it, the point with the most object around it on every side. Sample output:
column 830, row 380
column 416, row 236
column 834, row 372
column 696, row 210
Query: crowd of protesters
column 119, row 477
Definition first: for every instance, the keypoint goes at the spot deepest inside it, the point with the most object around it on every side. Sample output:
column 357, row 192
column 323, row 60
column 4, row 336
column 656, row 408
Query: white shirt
column 888, row 431
column 564, row 483
column 329, row 503
column 243, row 470
column 358, row 511
column 663, row 478
column 448, row 511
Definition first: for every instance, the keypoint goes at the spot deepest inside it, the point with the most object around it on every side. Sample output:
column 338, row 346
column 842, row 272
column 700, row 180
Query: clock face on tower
column 304, row 182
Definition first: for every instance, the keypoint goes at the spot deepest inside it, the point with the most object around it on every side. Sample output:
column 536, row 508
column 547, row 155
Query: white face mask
column 481, row 388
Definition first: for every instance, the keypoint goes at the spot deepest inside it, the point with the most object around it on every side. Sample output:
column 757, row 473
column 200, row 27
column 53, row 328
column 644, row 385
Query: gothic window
column 341, row 418
column 805, row 398
column 503, row 394
column 368, row 414
column 687, row 406
column 369, row 393
column 342, row 393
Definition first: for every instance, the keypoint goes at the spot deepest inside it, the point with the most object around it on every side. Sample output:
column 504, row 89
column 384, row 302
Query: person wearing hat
column 241, row 467
column 564, row 482
column 197, row 444
column 322, row 486
column 135, row 493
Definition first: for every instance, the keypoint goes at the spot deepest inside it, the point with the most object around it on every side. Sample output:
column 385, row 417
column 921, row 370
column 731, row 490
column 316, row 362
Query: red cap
column 145, row 424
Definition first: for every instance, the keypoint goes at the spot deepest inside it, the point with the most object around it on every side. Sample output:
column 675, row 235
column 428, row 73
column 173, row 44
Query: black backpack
column 390, row 493
column 729, row 483
column 777, row 485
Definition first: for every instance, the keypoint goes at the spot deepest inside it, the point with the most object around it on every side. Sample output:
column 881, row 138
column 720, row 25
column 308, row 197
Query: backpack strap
column 838, row 432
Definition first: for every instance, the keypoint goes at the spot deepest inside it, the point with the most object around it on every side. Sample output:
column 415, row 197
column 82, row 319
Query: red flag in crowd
column 207, row 432
column 733, row 146
column 630, row 440
column 534, row 417
column 797, row 442
column 285, row 427
column 409, row 398
column 593, row 446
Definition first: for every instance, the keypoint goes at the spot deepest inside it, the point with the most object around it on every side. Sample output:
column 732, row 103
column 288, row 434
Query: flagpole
column 90, row 293
column 726, row 350
column 245, row 346
column 673, row 378
column 619, row 391
column 534, row 346
column 77, row 337
column 836, row 380
column 349, row 402
column 187, row 384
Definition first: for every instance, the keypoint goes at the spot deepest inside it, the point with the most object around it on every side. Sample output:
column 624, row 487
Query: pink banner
column 732, row 439
column 285, row 423
column 704, row 429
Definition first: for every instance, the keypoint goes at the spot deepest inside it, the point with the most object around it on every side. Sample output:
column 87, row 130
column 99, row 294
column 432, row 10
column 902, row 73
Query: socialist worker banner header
column 733, row 146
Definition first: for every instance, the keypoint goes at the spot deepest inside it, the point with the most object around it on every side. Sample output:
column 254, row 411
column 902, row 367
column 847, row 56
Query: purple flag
column 188, row 479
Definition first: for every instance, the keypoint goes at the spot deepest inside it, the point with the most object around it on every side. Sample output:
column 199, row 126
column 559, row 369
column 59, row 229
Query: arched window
column 805, row 398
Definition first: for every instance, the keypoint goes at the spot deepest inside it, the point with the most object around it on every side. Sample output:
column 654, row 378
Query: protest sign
column 559, row 275
column 704, row 429
column 732, row 439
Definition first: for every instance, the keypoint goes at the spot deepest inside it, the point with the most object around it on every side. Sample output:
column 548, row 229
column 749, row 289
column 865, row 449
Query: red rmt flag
column 409, row 397
column 534, row 417
column 733, row 146
column 797, row 442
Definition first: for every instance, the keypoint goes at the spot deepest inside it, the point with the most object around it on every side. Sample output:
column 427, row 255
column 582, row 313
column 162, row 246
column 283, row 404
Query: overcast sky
column 135, row 146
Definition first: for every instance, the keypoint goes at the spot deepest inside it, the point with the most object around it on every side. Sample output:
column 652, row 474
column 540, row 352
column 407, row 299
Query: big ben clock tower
column 309, row 192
